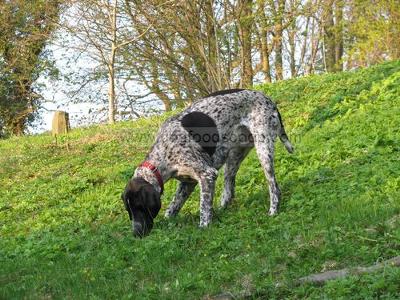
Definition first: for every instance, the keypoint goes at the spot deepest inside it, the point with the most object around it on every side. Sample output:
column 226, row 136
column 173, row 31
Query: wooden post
column 60, row 123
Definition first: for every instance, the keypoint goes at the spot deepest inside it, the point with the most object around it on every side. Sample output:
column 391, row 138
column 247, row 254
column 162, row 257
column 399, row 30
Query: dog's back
column 233, row 109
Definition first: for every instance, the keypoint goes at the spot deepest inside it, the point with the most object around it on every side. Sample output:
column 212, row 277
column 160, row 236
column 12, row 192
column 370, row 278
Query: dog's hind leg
column 264, row 137
column 235, row 158
column 265, row 152
column 182, row 194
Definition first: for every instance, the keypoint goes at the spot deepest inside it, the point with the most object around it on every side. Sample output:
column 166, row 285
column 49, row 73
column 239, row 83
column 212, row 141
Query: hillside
column 64, row 232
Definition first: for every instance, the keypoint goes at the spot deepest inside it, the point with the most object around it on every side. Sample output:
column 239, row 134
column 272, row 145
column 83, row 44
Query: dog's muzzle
column 137, row 229
column 141, row 225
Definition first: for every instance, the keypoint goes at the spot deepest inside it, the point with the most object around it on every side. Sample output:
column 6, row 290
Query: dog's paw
column 211, row 174
column 204, row 223
column 272, row 212
column 169, row 213
column 225, row 202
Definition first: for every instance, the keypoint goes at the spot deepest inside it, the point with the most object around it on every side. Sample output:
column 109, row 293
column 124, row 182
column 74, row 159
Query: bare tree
column 192, row 48
column 178, row 51
column 99, row 32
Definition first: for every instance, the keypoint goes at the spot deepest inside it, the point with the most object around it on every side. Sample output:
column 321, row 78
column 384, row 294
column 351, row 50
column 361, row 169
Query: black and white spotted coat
column 238, row 115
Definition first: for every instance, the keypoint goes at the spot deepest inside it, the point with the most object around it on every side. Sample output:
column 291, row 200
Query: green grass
column 64, row 232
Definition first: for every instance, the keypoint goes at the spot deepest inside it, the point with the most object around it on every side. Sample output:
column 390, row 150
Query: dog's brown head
column 143, row 203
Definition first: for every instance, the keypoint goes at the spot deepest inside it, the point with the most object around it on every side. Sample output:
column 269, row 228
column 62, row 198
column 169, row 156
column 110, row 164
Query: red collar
column 156, row 173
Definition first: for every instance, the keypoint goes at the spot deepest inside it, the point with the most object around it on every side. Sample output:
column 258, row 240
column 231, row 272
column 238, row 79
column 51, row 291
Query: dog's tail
column 283, row 136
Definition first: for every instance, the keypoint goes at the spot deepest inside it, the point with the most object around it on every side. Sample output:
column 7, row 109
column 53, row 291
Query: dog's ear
column 131, row 197
column 126, row 204
column 151, row 200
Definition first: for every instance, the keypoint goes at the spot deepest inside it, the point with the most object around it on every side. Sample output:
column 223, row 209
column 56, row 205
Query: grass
column 64, row 232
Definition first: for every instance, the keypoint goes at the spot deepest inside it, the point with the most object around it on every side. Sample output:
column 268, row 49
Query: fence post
column 60, row 123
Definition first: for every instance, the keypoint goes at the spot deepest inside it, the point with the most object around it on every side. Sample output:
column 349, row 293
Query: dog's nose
column 138, row 229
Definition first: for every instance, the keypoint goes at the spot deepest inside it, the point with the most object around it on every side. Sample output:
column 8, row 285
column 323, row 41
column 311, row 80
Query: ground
column 65, row 234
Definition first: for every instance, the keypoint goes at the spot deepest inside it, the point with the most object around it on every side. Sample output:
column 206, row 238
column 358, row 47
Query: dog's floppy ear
column 151, row 199
column 130, row 196
column 126, row 204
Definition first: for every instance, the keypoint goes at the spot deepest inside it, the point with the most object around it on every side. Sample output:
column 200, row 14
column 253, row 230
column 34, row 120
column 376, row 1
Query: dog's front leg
column 182, row 193
column 207, row 188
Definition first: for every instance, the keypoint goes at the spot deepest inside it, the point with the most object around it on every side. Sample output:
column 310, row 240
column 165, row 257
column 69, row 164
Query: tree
column 96, row 33
column 279, row 10
column 372, row 32
column 339, row 50
column 186, row 53
column 263, row 29
column 245, row 24
column 178, row 51
column 26, row 27
column 329, row 36
column 172, row 60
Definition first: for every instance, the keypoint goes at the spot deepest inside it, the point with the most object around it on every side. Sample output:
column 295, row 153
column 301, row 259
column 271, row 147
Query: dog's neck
column 148, row 175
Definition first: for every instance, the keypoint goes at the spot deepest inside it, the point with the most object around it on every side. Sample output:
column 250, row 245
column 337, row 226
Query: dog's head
column 143, row 203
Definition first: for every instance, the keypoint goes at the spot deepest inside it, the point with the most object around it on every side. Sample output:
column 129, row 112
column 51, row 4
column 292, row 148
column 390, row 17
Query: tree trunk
column 278, row 40
column 339, row 35
column 315, row 44
column 18, row 121
column 245, row 26
column 111, row 95
column 18, row 126
column 292, row 47
column 111, row 66
column 292, row 42
column 329, row 38
column 266, row 68
column 265, row 49
column 305, row 46
column 214, row 80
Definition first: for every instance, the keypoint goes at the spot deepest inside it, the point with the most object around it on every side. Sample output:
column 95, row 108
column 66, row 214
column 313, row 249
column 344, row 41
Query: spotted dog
column 193, row 145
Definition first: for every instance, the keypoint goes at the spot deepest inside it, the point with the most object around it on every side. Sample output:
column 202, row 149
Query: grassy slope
column 64, row 232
